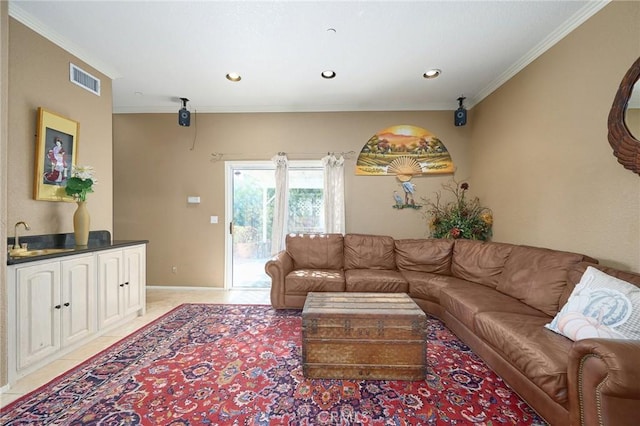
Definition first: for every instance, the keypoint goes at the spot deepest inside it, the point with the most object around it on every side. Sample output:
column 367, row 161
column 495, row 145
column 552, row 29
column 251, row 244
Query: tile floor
column 159, row 302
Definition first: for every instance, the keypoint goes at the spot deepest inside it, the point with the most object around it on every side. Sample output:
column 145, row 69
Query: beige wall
column 4, row 80
column 155, row 170
column 39, row 77
column 540, row 157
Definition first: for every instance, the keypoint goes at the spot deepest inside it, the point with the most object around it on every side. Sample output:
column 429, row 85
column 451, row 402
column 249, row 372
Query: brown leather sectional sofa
column 497, row 298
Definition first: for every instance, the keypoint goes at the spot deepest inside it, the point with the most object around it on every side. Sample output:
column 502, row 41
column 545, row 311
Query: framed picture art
column 56, row 151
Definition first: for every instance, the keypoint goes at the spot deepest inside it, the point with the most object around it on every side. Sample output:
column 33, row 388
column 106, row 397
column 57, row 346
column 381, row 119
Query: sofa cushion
column 537, row 276
column 600, row 306
column 424, row 255
column 464, row 300
column 538, row 353
column 302, row 281
column 576, row 271
column 427, row 285
column 316, row 251
column 375, row 281
column 479, row 262
column 369, row 252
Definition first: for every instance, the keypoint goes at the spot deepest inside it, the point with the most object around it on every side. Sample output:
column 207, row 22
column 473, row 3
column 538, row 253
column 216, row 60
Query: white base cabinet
column 110, row 287
column 56, row 305
column 38, row 321
column 78, row 308
column 135, row 279
column 121, row 284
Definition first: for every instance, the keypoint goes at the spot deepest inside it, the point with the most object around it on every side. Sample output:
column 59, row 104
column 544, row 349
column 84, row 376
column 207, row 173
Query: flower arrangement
column 461, row 218
column 80, row 183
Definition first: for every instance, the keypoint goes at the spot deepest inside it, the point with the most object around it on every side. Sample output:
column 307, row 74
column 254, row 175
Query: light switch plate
column 214, row 219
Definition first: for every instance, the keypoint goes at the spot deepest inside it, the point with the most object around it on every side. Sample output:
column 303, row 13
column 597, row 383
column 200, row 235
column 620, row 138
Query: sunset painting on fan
column 403, row 150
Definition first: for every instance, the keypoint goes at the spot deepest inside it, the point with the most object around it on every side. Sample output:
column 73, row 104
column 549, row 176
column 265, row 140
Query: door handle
column 231, row 228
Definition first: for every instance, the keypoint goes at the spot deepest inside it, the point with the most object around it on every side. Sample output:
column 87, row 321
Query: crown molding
column 234, row 109
column 589, row 9
column 20, row 15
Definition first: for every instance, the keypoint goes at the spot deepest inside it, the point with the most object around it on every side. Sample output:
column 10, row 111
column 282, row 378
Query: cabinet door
column 78, row 299
column 37, row 312
column 134, row 279
column 110, row 284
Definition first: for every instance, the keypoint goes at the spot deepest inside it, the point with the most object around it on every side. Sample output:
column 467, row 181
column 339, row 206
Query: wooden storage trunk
column 376, row 336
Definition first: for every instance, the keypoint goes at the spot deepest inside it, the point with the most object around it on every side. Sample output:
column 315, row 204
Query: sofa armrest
column 604, row 382
column 278, row 267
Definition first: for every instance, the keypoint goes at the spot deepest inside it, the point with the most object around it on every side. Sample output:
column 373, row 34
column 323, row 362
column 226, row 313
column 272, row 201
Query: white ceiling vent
column 84, row 79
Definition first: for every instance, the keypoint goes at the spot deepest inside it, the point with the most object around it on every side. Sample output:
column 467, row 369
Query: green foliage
column 80, row 183
column 249, row 200
column 79, row 188
column 461, row 218
column 245, row 234
column 247, row 203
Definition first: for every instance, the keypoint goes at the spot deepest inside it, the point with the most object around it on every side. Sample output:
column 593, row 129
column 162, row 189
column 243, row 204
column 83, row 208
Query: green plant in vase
column 78, row 186
column 80, row 183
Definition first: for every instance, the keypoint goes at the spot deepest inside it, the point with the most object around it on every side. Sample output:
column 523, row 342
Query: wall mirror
column 624, row 120
column 632, row 113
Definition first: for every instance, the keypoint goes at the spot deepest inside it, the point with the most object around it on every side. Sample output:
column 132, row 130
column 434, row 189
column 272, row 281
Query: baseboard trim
column 175, row 288
column 179, row 288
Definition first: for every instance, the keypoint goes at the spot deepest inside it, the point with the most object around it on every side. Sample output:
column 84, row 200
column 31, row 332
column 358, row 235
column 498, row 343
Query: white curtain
column 281, row 205
column 334, row 220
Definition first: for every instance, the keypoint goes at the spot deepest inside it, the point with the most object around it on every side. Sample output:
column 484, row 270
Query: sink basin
column 42, row 252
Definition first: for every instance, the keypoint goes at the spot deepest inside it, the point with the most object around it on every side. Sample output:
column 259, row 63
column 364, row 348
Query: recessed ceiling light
column 434, row 73
column 233, row 76
column 328, row 74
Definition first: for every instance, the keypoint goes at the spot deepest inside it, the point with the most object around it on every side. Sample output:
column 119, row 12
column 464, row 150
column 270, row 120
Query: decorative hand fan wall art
column 403, row 151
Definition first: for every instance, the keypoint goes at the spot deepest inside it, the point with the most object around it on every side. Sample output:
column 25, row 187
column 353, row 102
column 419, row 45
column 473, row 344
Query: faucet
column 16, row 242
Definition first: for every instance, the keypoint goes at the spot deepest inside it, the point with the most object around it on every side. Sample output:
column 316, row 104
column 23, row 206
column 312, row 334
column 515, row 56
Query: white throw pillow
column 600, row 306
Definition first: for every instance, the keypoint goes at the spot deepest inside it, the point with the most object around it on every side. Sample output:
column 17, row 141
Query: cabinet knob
column 57, row 306
column 121, row 285
column 127, row 283
column 67, row 304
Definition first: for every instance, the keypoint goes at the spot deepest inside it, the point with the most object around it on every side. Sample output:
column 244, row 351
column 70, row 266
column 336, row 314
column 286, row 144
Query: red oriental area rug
column 206, row 364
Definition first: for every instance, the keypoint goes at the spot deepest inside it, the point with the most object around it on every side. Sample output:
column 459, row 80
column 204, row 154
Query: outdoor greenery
column 248, row 218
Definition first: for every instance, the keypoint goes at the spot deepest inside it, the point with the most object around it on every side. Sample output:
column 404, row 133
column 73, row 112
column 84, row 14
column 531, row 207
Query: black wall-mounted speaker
column 460, row 117
column 184, row 117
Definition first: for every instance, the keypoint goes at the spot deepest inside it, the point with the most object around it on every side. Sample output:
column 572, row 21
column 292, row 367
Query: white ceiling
column 158, row 51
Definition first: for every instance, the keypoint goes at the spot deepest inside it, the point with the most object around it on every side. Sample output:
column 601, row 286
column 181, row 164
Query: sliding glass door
column 250, row 193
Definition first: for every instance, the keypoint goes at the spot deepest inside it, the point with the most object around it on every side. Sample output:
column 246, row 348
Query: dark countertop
column 98, row 241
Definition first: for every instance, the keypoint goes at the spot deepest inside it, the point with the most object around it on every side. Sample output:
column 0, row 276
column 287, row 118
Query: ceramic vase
column 81, row 221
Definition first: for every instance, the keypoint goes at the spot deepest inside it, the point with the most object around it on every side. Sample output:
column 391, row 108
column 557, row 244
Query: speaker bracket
column 460, row 115
column 184, row 116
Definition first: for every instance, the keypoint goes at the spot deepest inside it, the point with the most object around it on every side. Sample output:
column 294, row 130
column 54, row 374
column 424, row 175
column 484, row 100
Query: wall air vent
column 84, row 79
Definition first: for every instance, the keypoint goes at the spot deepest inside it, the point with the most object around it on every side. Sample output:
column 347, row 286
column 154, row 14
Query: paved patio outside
column 249, row 273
